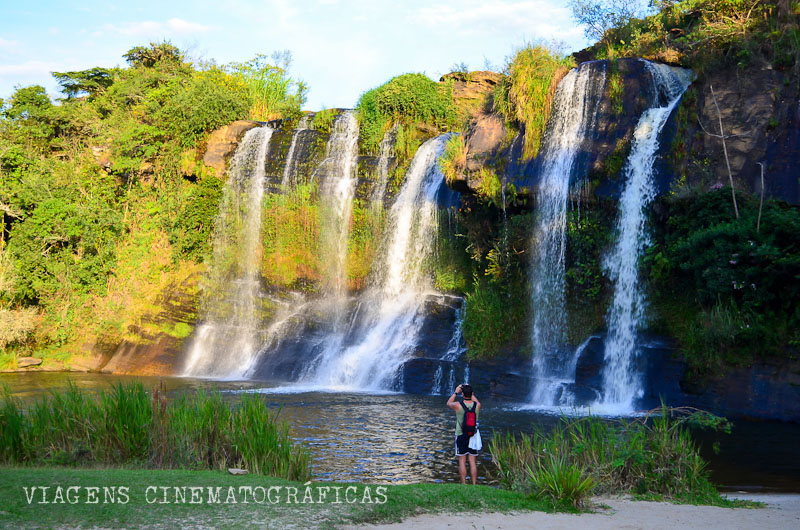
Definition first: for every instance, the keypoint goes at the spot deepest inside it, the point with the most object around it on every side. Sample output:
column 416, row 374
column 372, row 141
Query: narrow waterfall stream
column 621, row 380
column 291, row 162
column 573, row 113
column 389, row 316
column 338, row 189
column 229, row 336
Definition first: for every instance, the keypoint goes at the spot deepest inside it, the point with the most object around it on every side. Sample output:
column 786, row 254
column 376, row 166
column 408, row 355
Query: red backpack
column 470, row 424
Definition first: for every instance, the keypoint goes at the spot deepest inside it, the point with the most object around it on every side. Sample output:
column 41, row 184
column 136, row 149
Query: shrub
column 406, row 99
column 525, row 94
column 272, row 92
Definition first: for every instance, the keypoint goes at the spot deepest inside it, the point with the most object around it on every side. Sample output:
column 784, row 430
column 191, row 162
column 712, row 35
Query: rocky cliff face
column 760, row 112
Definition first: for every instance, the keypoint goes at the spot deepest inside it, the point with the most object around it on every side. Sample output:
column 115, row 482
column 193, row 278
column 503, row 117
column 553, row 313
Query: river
column 402, row 438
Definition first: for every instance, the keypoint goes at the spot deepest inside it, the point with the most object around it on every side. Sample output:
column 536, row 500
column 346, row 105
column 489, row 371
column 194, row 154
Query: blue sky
column 340, row 47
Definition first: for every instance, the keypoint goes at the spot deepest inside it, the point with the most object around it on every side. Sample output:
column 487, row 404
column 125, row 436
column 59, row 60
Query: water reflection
column 402, row 438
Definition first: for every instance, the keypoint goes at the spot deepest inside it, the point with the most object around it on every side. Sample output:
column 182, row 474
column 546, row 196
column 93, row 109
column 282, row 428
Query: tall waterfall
column 386, row 325
column 573, row 112
column 338, row 189
column 621, row 382
column 229, row 337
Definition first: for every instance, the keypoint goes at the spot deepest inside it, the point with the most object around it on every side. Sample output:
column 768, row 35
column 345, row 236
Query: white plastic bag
column 475, row 441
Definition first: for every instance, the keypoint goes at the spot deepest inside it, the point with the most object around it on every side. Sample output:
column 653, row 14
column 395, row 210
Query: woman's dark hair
column 466, row 390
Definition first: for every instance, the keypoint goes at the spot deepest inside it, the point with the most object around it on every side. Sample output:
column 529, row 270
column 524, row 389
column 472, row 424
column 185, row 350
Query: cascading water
column 338, row 189
column 386, row 152
column 230, row 336
column 291, row 164
column 621, row 382
column 390, row 314
column 455, row 349
column 573, row 112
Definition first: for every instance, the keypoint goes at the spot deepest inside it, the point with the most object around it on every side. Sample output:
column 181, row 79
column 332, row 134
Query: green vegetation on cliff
column 703, row 34
column 104, row 204
column 407, row 99
column 524, row 95
column 739, row 276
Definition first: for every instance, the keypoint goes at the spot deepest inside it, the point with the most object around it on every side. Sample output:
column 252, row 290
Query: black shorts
column 462, row 446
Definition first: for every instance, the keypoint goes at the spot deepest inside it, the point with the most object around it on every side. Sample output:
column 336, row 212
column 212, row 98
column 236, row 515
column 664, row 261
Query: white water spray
column 338, row 190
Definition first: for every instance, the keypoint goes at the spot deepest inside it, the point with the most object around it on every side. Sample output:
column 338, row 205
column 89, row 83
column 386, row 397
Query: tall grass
column 453, row 161
column 273, row 93
column 653, row 455
column 526, row 93
column 127, row 426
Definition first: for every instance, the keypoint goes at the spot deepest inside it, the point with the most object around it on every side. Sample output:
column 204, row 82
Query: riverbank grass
column 127, row 426
column 652, row 458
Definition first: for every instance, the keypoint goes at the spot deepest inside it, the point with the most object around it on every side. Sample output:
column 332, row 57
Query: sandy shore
column 782, row 512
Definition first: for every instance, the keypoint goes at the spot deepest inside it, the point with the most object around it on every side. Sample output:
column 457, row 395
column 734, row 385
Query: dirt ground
column 782, row 512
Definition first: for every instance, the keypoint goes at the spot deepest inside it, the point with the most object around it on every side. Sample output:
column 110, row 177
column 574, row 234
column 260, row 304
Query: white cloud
column 150, row 28
column 535, row 18
column 9, row 46
column 27, row 68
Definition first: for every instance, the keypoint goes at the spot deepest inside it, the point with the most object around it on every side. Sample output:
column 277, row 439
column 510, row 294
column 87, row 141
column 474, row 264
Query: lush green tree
column 149, row 56
column 89, row 81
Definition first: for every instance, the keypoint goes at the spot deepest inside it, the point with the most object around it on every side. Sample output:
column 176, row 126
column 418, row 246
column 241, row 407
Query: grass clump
column 453, row 161
column 273, row 93
column 525, row 94
column 653, row 455
column 407, row 99
column 127, row 426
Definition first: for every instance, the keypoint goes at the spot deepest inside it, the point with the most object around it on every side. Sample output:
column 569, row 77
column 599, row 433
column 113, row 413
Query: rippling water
column 403, row 438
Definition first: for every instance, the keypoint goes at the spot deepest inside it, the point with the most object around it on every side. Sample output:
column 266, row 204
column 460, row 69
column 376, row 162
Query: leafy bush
column 192, row 229
column 406, row 99
column 454, row 158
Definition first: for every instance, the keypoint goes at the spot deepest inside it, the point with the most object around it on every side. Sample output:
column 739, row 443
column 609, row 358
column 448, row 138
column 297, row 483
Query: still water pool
column 404, row 438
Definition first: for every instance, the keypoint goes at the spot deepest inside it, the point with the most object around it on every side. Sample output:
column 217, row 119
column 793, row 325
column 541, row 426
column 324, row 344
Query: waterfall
column 229, row 337
column 455, row 349
column 621, row 382
column 574, row 108
column 390, row 313
column 291, row 163
column 338, row 190
column 386, row 152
